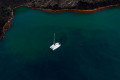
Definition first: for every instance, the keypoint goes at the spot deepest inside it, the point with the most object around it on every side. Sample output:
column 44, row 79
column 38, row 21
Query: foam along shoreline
column 7, row 24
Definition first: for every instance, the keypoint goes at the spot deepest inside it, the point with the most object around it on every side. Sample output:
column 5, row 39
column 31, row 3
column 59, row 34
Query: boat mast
column 54, row 39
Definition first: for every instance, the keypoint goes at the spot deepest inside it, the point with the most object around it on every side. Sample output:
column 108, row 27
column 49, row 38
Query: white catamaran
column 56, row 45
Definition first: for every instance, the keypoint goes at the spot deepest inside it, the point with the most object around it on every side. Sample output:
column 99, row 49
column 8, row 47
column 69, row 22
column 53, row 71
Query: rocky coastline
column 80, row 6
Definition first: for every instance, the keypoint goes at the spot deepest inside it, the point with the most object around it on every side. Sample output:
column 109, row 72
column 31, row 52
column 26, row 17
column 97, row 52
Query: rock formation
column 7, row 6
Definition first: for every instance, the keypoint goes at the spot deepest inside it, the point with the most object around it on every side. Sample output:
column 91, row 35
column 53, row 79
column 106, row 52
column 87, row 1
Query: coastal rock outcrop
column 7, row 7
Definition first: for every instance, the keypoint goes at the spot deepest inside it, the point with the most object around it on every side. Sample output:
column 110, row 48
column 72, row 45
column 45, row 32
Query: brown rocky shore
column 82, row 6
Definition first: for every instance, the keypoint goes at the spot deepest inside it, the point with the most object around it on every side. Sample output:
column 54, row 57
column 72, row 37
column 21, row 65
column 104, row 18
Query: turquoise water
column 90, row 46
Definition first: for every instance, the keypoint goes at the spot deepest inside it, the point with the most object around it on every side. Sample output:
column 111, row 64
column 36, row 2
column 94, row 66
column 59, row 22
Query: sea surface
column 90, row 46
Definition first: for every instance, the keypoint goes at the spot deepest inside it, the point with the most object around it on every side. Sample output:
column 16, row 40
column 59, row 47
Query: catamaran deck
column 55, row 46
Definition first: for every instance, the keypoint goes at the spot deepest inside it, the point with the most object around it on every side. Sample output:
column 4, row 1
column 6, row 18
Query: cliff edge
column 86, row 6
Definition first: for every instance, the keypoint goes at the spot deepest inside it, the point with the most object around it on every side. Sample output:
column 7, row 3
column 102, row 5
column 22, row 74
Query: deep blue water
column 90, row 46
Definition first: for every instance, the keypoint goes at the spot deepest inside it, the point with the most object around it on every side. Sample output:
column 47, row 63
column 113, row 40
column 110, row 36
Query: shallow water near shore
column 90, row 46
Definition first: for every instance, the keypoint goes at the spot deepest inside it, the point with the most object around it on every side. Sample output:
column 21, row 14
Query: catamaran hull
column 55, row 46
